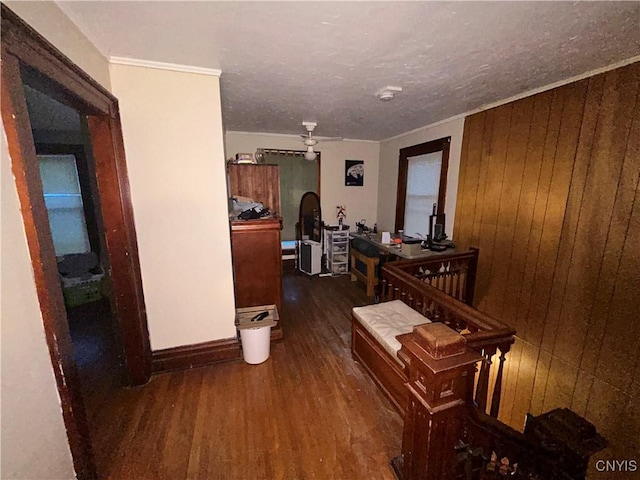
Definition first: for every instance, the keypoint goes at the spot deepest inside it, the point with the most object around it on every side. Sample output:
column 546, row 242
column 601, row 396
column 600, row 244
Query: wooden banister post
column 482, row 389
column 439, row 365
column 497, row 390
column 472, row 271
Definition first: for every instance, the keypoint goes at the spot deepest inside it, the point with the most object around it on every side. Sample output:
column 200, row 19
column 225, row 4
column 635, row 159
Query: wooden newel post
column 440, row 366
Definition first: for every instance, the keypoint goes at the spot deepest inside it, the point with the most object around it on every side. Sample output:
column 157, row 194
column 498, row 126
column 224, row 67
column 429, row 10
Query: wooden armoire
column 255, row 244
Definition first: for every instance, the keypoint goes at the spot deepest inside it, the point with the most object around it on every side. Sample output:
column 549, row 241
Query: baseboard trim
column 196, row 355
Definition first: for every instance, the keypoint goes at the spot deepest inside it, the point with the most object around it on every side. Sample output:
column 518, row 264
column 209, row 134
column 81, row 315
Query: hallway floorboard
column 308, row 412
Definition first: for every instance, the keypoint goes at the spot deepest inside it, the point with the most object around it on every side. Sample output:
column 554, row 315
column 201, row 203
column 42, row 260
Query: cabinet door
column 257, row 266
column 260, row 182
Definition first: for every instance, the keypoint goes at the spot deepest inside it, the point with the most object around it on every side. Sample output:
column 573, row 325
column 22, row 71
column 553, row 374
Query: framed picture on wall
column 354, row 173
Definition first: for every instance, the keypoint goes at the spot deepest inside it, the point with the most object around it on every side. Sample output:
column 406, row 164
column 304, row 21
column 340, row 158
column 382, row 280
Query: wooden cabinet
column 255, row 244
column 257, row 264
column 260, row 182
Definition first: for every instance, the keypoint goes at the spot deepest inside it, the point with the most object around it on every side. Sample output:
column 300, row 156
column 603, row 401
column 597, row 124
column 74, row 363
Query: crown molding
column 173, row 67
column 520, row 96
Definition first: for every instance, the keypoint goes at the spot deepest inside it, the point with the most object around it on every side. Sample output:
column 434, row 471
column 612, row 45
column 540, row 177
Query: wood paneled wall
column 548, row 190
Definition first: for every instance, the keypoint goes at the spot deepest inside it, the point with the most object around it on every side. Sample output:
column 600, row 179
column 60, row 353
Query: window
column 422, row 182
column 63, row 199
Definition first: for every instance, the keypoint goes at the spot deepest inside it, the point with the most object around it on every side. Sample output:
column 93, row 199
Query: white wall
column 34, row 440
column 173, row 138
column 51, row 22
column 361, row 202
column 389, row 152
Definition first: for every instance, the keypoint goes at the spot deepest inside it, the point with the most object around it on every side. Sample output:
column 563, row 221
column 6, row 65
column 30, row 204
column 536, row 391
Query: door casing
column 57, row 76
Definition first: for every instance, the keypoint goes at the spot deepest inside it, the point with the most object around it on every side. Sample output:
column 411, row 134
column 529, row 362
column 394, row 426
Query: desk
column 374, row 239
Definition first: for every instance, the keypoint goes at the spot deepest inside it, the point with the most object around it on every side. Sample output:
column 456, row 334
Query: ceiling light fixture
column 309, row 141
column 310, row 154
column 387, row 93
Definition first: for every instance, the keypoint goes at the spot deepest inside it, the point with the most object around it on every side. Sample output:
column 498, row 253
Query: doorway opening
column 63, row 149
column 28, row 58
column 297, row 177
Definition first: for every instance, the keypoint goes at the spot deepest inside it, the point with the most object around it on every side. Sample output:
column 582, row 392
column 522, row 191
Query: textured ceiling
column 284, row 62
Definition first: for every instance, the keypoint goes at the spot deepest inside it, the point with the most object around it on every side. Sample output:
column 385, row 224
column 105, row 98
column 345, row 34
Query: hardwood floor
column 97, row 353
column 308, row 412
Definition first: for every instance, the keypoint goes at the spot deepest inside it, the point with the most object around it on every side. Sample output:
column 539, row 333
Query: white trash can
column 256, row 344
column 255, row 335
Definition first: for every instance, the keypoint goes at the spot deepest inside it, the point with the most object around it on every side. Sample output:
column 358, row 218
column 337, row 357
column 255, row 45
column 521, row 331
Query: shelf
column 337, row 251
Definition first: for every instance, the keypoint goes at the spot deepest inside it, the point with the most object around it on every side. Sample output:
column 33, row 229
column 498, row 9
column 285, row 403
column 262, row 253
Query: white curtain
column 423, row 182
column 63, row 200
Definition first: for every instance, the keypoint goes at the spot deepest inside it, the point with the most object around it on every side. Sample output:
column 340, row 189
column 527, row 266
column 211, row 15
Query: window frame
column 79, row 210
column 88, row 189
column 433, row 146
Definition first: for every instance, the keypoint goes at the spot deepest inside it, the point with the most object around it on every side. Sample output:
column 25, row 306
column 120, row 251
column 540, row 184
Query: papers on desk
column 386, row 237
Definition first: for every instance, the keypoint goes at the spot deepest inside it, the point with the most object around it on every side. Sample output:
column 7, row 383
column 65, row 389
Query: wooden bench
column 374, row 329
column 436, row 288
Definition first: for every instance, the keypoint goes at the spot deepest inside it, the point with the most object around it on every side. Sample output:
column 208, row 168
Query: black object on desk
column 361, row 227
column 437, row 239
column 410, row 240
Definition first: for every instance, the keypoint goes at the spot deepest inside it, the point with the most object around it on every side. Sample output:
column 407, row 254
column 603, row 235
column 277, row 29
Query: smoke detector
column 387, row 93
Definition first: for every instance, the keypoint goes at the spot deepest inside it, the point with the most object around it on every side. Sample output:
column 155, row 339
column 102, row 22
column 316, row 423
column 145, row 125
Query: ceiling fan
column 311, row 142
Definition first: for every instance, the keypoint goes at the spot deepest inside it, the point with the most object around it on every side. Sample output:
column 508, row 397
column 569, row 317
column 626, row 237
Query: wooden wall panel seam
column 535, row 200
column 518, row 168
column 488, row 226
column 462, row 182
column 545, row 201
column 611, row 296
column 586, row 174
column 482, row 173
column 465, row 190
column 609, row 321
column 596, row 83
column 559, row 162
column 525, row 222
column 585, row 271
column 566, row 239
column 635, row 120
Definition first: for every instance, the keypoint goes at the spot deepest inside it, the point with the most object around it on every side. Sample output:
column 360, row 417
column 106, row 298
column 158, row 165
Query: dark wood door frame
column 441, row 144
column 23, row 48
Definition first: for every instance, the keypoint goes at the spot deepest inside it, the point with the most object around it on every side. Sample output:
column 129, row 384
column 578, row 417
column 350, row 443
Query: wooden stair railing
column 451, row 273
column 446, row 437
column 440, row 288
column 440, row 372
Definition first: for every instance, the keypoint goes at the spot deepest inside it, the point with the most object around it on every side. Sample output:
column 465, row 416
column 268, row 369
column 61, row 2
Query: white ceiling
column 284, row 62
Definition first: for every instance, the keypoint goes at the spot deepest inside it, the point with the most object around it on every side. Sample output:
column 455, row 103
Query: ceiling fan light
column 309, row 141
column 310, row 154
